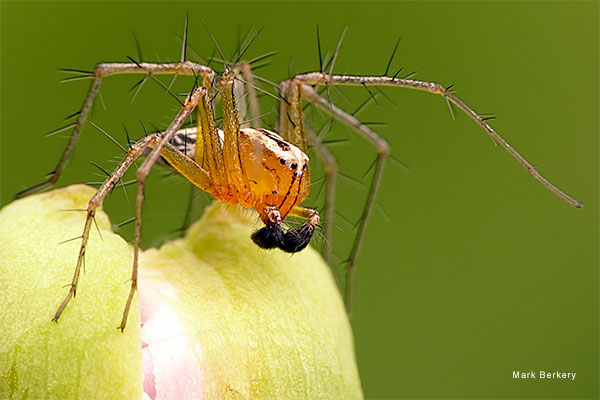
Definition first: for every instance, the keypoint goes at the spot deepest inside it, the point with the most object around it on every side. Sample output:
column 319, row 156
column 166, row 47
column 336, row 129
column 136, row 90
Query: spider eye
column 304, row 166
column 294, row 165
column 282, row 161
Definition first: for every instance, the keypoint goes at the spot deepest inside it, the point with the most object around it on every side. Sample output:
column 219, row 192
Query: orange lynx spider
column 253, row 167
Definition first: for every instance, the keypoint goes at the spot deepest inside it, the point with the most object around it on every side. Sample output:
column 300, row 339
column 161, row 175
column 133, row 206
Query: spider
column 253, row 167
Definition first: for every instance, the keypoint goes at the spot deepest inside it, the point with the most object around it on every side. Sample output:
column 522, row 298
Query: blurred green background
column 470, row 269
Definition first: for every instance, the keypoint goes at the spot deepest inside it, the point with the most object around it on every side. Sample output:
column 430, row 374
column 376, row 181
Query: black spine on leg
column 268, row 237
column 297, row 239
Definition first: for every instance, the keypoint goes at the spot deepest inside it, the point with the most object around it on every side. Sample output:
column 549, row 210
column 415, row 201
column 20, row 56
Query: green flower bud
column 221, row 318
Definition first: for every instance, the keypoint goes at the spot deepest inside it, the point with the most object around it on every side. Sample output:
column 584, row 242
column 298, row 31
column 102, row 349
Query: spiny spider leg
column 246, row 71
column 319, row 78
column 102, row 70
column 160, row 145
column 331, row 171
column 185, row 166
column 309, row 94
column 96, row 201
column 383, row 150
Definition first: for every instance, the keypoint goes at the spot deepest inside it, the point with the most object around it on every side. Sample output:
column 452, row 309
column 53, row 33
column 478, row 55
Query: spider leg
column 236, row 175
column 220, row 156
column 383, row 150
column 319, row 78
column 239, row 94
column 291, row 120
column 106, row 69
column 209, row 150
column 96, row 201
column 246, row 71
column 179, row 161
column 331, row 172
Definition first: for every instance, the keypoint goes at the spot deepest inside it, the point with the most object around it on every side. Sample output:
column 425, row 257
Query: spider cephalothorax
column 275, row 175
